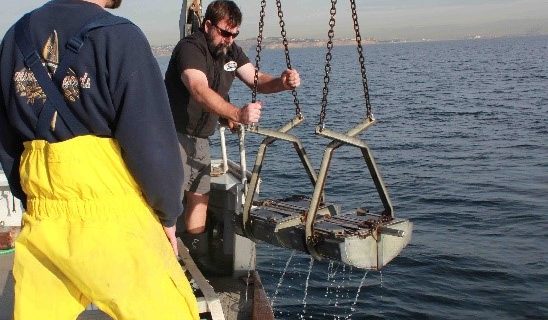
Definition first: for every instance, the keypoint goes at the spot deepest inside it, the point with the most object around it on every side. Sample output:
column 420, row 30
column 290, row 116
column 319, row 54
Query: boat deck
column 6, row 293
column 6, row 286
column 239, row 301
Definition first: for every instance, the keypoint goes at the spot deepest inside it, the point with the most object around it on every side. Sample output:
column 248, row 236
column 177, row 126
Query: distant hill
column 274, row 43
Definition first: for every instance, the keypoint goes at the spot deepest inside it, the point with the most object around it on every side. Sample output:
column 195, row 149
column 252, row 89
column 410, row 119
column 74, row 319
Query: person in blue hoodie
column 87, row 142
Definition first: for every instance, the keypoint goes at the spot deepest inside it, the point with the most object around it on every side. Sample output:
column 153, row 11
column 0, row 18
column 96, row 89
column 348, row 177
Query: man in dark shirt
column 198, row 78
column 101, row 179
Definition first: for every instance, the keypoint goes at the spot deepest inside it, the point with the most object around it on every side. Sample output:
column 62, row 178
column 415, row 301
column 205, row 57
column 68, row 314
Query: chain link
column 328, row 56
column 258, row 49
column 287, row 58
column 369, row 113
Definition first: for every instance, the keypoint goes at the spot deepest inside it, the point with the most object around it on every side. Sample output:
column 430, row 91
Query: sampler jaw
column 376, row 252
column 359, row 239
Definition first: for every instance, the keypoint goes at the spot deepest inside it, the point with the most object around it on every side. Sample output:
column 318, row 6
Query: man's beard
column 113, row 4
column 218, row 51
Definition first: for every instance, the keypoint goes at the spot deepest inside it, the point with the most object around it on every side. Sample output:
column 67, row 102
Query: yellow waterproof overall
column 89, row 236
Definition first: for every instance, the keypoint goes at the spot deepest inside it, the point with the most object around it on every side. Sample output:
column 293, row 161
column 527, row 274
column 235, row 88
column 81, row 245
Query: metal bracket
column 338, row 140
column 271, row 136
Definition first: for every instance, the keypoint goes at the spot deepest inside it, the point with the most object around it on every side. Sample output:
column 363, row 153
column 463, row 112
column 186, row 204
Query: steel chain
column 369, row 113
column 287, row 58
column 258, row 49
column 328, row 56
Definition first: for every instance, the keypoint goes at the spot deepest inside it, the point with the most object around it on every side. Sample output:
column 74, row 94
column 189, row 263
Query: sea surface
column 462, row 145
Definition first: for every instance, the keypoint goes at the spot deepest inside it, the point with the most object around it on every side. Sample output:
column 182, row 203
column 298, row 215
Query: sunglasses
column 226, row 34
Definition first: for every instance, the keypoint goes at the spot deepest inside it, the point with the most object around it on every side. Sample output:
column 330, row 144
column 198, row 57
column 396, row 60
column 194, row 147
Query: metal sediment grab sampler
column 360, row 239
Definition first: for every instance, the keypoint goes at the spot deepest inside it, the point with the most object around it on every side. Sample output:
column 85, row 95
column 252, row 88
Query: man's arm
column 288, row 80
column 10, row 153
column 197, row 84
column 144, row 126
column 11, row 148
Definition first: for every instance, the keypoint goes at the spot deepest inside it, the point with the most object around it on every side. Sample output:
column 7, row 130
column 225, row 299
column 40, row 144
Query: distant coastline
column 276, row 43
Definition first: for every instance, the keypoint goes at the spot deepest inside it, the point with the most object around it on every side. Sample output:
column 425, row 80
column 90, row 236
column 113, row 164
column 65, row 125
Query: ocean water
column 462, row 145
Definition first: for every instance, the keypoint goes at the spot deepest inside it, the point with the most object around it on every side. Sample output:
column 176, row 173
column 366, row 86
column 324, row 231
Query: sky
column 382, row 19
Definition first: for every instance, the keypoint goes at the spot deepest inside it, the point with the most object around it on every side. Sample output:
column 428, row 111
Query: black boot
column 198, row 247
